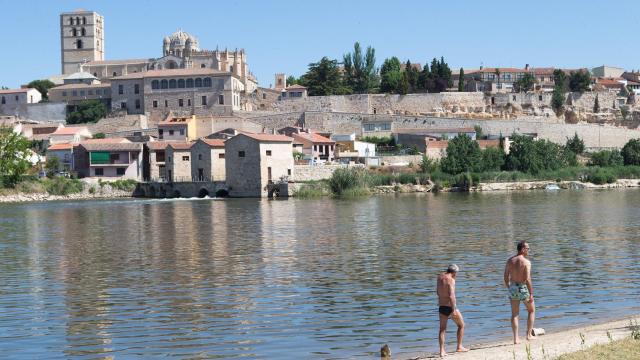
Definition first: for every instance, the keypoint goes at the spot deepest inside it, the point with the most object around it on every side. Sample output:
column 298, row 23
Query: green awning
column 100, row 157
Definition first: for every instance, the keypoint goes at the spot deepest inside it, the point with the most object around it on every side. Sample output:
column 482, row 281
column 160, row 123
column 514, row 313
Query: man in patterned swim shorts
column 517, row 278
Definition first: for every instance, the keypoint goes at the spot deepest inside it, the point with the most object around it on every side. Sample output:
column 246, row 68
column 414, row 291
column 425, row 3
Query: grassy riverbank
column 627, row 349
column 351, row 182
column 60, row 188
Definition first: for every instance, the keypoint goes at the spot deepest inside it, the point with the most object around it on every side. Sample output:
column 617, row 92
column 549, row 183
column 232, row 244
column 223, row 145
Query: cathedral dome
column 179, row 39
column 166, row 40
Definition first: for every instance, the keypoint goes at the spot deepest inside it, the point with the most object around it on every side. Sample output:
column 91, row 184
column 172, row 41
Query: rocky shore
column 88, row 193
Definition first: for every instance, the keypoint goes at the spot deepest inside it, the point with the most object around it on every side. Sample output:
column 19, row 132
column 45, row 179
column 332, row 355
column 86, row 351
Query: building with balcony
column 64, row 153
column 316, row 147
column 112, row 158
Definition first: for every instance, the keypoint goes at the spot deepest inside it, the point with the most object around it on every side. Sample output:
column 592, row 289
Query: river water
column 312, row 279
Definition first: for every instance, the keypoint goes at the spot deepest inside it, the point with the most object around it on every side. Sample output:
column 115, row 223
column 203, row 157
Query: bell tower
column 81, row 39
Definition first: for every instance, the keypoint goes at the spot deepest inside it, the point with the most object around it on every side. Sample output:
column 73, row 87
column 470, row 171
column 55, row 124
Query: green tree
column 557, row 98
column 579, row 81
column 606, row 158
column 427, row 165
column 478, row 130
column 390, row 75
column 88, row 111
column 560, row 79
column 461, row 80
column 43, row 87
column 575, row 145
column 525, row 83
column 412, row 75
column 99, row 135
column 496, row 71
column 463, row 154
column 14, row 151
column 596, row 105
column 291, row 80
column 425, row 79
column 493, row 159
column 631, row 152
column 360, row 71
column 532, row 156
column 404, row 87
column 323, row 78
column 52, row 166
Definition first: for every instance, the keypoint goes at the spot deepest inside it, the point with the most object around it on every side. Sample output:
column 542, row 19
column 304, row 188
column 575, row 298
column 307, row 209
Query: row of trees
column 358, row 74
column 530, row 156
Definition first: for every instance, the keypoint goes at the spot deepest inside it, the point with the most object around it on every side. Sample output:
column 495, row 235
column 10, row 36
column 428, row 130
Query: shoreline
column 21, row 197
column 548, row 346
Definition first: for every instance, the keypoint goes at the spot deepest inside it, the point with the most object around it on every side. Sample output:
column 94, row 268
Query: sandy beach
column 548, row 346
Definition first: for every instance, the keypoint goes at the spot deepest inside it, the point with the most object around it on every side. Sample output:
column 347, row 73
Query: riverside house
column 155, row 161
column 178, row 161
column 110, row 158
column 254, row 161
column 208, row 160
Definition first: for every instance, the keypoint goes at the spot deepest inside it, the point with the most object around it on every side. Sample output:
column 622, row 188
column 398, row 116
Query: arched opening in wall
column 202, row 66
column 203, row 193
column 262, row 107
column 171, row 65
column 78, row 20
column 83, row 32
column 79, row 44
column 115, row 74
column 95, row 74
column 198, row 82
column 70, row 21
column 189, row 83
column 172, row 84
column 180, row 83
column 207, row 82
column 222, row 193
column 164, row 84
column 163, row 192
column 74, row 32
column 155, row 84
column 493, row 100
column 176, row 194
column 152, row 192
column 84, row 20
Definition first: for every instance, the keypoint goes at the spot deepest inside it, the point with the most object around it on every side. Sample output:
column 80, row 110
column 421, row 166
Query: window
column 181, row 131
column 99, row 171
column 198, row 82
column 204, row 100
column 170, row 132
column 369, row 127
column 74, row 32
column 264, row 96
column 166, row 103
column 160, row 156
column 185, row 158
column 268, row 152
column 98, row 92
column 189, row 83
column 385, row 126
column 95, row 74
column 155, row 84
column 90, row 92
column 79, row 44
column 84, row 20
column 221, row 156
column 221, row 99
column 514, row 98
column 4, row 101
column 161, row 133
column 114, row 157
column 115, row 74
column 164, row 84
column 207, row 82
column 74, row 93
column 180, row 102
column 120, row 171
column 83, row 32
column 240, row 153
column 18, row 98
column 202, row 66
column 136, row 89
column 199, row 156
column 155, row 103
column 172, row 84
column 123, row 105
column 231, row 68
column 120, row 89
column 81, row 93
column 70, row 21
column 64, row 93
column 181, row 84
column 540, row 98
column 137, row 103
column 289, row 172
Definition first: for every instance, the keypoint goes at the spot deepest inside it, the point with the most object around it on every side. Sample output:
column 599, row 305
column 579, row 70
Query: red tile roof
column 69, row 130
column 488, row 143
column 437, row 144
column 81, row 86
column 295, row 86
column 214, row 142
column 268, row 137
column 157, row 145
column 62, row 146
column 117, row 62
column 313, row 137
column 502, row 70
column 14, row 91
column 176, row 121
column 180, row 145
column 106, row 141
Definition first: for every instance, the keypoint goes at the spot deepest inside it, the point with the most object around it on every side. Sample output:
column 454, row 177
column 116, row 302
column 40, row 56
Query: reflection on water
column 311, row 279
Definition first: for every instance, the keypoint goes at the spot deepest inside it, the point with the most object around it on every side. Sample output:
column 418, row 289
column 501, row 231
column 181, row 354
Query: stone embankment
column 90, row 192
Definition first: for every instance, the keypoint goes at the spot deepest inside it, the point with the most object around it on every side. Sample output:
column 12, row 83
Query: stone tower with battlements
column 81, row 39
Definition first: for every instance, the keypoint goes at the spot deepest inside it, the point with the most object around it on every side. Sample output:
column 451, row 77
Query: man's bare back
column 517, row 278
column 517, row 269
column 445, row 286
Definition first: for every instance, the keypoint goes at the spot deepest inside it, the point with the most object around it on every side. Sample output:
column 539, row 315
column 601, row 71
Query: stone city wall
column 276, row 121
column 43, row 112
column 316, row 172
column 606, row 100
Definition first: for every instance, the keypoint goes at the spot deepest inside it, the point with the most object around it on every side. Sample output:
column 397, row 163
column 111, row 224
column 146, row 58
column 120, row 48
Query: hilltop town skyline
column 286, row 38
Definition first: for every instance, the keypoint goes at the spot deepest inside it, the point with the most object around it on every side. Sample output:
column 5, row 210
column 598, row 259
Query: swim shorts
column 445, row 310
column 519, row 292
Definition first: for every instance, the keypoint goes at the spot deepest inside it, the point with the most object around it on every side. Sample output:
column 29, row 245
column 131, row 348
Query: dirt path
column 547, row 346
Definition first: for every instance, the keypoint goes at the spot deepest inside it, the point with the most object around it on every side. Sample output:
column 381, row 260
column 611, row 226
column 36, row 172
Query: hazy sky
column 285, row 36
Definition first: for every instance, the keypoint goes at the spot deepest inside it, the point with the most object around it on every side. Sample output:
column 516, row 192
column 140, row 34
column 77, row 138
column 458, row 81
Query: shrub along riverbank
column 466, row 165
column 30, row 188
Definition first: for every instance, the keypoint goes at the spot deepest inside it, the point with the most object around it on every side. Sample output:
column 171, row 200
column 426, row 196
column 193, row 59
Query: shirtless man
column 517, row 278
column 445, row 289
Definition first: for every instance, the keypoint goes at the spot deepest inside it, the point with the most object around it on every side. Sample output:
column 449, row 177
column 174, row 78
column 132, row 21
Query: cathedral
column 82, row 38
